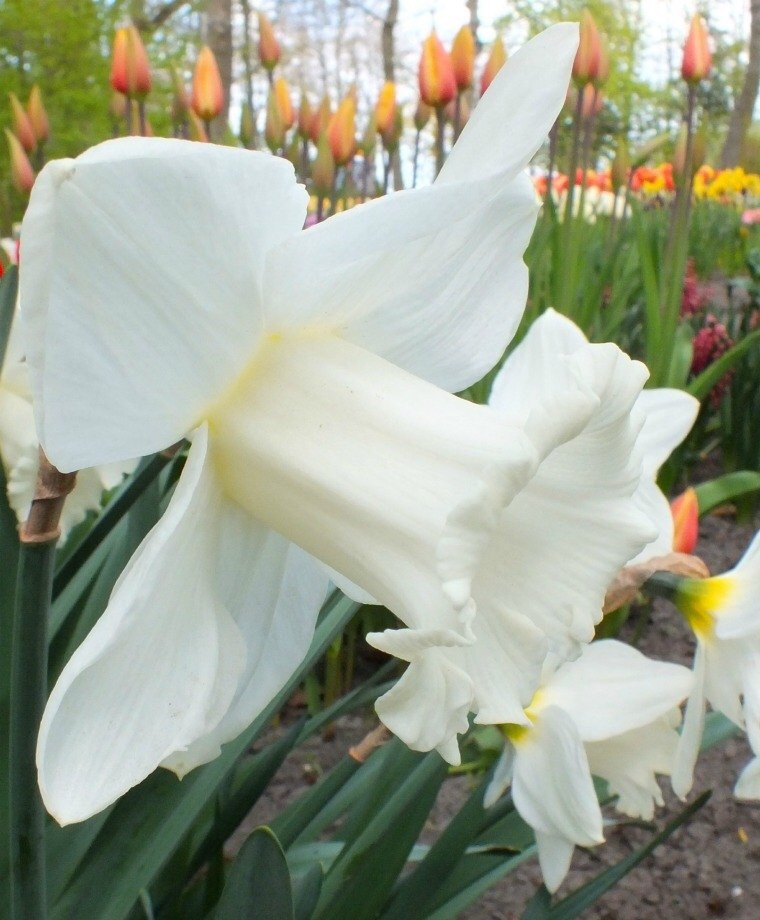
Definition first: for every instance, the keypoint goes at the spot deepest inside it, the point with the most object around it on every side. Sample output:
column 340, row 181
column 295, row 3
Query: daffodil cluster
column 168, row 291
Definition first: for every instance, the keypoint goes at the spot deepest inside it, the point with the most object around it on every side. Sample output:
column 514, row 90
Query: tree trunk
column 219, row 39
column 388, row 47
column 741, row 117
column 472, row 6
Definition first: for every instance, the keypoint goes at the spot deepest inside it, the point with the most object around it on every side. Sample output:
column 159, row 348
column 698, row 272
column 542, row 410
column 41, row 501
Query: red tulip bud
column 130, row 69
column 341, row 132
column 38, row 116
column 588, row 55
column 463, row 57
column 22, row 173
column 697, row 59
column 22, row 126
column 269, row 47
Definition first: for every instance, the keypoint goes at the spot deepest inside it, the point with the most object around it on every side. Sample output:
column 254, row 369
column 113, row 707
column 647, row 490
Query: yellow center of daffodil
column 701, row 602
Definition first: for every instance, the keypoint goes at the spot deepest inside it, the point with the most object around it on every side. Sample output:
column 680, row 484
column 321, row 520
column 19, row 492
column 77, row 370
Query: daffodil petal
column 431, row 279
column 555, row 854
column 159, row 669
column 612, row 688
column 125, row 360
column 739, row 616
column 552, row 786
column 747, row 787
column 669, row 415
column 693, row 725
column 515, row 115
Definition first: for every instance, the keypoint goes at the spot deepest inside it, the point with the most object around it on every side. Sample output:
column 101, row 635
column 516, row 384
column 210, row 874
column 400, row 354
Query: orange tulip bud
column 22, row 173
column 697, row 59
column 496, row 60
column 321, row 120
column 422, row 115
column 208, row 93
column 463, row 57
column 284, row 103
column 587, row 57
column 323, row 168
column 196, row 128
column 269, row 47
column 130, row 69
column 436, row 73
column 305, row 118
column 22, row 126
column 341, row 132
column 685, row 511
column 37, row 115
column 385, row 111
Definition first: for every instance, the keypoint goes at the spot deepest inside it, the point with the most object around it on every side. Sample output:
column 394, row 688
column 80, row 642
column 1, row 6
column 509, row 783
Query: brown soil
column 711, row 868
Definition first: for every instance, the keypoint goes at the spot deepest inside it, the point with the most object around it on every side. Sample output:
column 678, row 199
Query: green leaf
column 306, row 891
column 704, row 382
column 726, row 488
column 149, row 822
column 361, row 879
column 718, row 728
column 681, row 357
column 259, row 882
column 8, row 293
column 582, row 898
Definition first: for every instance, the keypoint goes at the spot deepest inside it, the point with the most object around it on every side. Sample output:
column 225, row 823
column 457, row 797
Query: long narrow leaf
column 259, row 884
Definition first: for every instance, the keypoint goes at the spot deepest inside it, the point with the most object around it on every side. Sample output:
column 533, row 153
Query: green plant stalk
column 676, row 252
column 562, row 294
column 28, row 696
column 440, row 139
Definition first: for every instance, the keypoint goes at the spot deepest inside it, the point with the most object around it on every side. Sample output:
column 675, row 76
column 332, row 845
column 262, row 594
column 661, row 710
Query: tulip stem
column 440, row 139
column 457, row 115
column 141, row 116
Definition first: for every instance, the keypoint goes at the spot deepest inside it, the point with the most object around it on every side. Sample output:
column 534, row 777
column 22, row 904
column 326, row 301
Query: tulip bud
column 22, row 173
column 321, row 120
column 196, row 128
column 587, row 57
column 385, row 111
column 603, row 70
column 463, row 57
column 180, row 100
column 269, row 47
column 130, row 69
column 305, row 118
column 274, row 130
column 422, row 115
column 697, row 59
column 685, row 511
column 37, row 115
column 496, row 60
column 22, row 126
column 436, row 73
column 323, row 168
column 208, row 93
column 341, row 132
column 284, row 103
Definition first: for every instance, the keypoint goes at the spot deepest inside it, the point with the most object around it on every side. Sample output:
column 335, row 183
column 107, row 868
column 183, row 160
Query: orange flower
column 321, row 120
column 341, row 132
column 130, row 69
column 323, row 168
column 37, row 115
column 697, row 59
column 591, row 102
column 22, row 173
column 463, row 57
column 269, row 47
column 22, row 126
column 685, row 511
column 284, row 103
column 385, row 111
column 496, row 60
column 436, row 73
column 208, row 93
column 588, row 56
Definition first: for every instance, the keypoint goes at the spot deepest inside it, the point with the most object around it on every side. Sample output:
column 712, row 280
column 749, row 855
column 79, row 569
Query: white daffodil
column 611, row 713
column 724, row 614
column 167, row 289
column 19, row 448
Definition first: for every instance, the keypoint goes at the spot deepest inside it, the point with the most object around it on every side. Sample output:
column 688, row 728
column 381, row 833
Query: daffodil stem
column 28, row 695
column 662, row 584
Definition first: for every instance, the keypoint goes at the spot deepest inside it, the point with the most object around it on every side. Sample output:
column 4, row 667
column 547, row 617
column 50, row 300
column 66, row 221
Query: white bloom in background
column 724, row 614
column 168, row 289
column 19, row 448
column 611, row 713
